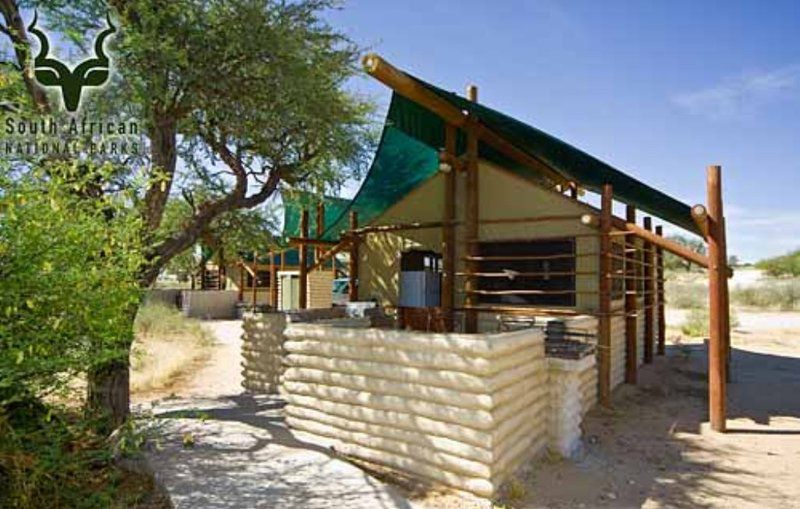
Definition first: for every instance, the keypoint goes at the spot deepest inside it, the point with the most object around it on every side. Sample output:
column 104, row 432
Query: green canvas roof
column 407, row 155
column 295, row 201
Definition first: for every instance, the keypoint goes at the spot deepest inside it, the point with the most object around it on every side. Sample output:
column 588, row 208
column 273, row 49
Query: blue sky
column 658, row 89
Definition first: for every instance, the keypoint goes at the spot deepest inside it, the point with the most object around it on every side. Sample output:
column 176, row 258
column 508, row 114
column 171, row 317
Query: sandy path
column 222, row 375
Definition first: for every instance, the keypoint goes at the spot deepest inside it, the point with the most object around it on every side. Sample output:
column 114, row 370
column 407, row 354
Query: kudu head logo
column 93, row 72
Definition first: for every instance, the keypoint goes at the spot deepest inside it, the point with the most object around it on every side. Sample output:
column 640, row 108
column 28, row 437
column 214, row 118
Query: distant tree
column 673, row 262
column 780, row 266
column 734, row 261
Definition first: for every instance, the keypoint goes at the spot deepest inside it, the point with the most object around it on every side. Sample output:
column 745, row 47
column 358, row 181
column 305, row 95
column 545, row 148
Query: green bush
column 696, row 322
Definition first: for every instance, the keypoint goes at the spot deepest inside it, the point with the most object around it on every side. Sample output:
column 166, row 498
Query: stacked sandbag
column 461, row 410
column 262, row 352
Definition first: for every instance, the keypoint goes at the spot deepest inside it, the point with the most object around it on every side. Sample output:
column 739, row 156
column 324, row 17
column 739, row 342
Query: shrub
column 696, row 322
column 776, row 294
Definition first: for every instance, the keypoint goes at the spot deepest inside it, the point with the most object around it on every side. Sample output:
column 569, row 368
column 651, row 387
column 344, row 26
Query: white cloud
column 741, row 95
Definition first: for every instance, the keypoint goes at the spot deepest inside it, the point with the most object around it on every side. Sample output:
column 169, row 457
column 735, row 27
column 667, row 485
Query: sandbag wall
column 461, row 410
column 262, row 345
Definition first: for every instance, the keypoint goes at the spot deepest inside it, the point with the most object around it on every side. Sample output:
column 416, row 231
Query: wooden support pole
column 353, row 265
column 718, row 311
column 303, row 252
column 573, row 190
column 471, row 228
column 449, row 231
column 700, row 217
column 659, row 295
column 241, row 281
column 273, row 281
column 255, row 280
column 320, row 227
column 604, row 325
column 631, row 329
column 282, row 260
column 726, row 302
column 666, row 244
column 649, row 290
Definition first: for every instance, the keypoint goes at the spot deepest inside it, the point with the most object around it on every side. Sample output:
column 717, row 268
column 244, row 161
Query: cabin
column 519, row 299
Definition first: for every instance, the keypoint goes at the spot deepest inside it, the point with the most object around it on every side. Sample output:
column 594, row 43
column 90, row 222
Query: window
column 527, row 266
column 262, row 280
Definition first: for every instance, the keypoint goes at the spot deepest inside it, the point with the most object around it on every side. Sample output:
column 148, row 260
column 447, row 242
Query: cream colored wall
column 379, row 254
column 502, row 195
column 460, row 410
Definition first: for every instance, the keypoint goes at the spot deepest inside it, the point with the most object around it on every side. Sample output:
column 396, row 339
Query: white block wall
column 262, row 352
column 461, row 410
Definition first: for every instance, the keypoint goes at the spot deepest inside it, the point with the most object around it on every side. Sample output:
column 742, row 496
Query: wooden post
column 662, row 327
column 726, row 302
column 649, row 290
column 471, row 226
column 718, row 311
column 303, row 251
column 255, row 280
column 604, row 294
column 241, row 280
column 320, row 227
column 449, row 231
column 631, row 330
column 353, row 265
column 273, row 281
column 282, row 260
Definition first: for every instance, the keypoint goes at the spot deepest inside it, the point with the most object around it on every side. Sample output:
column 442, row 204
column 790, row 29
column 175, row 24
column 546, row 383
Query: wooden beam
column 659, row 295
column 718, row 312
column 700, row 216
column 410, row 88
column 303, row 252
column 383, row 228
column 631, row 329
column 471, row 229
column 604, row 287
column 353, row 265
column 273, row 281
column 300, row 241
column 667, row 245
column 649, row 290
column 327, row 255
column 449, row 231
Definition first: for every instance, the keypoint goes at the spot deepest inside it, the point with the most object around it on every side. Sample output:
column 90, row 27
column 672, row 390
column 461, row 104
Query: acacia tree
column 248, row 94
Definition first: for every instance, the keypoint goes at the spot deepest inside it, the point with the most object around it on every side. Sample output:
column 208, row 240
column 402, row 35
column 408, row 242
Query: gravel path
column 240, row 454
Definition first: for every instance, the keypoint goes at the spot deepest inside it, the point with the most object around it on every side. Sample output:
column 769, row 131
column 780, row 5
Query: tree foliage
column 781, row 266
column 68, row 267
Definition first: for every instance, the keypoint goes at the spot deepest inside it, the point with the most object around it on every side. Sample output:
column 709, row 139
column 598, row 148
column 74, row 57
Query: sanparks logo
column 71, row 133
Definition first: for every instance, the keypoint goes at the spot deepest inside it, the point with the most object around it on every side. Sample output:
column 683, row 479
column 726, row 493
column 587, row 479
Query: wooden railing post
column 604, row 294
column 649, row 290
column 353, row 265
column 662, row 326
column 718, row 307
column 303, row 252
column 471, row 217
column 448, row 230
column 631, row 331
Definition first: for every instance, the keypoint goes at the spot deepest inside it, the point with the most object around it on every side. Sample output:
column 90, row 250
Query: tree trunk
column 109, row 393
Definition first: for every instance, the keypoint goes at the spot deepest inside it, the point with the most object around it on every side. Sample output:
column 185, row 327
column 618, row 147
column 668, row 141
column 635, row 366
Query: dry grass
column 167, row 347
